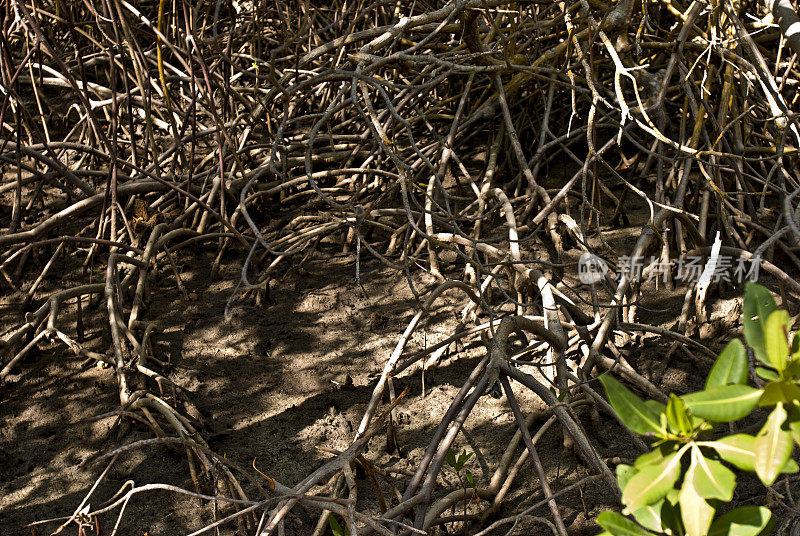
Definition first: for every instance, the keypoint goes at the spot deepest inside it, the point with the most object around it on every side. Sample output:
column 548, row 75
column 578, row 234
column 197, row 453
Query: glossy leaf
column 776, row 334
column 677, row 417
column 758, row 305
column 790, row 467
column 696, row 513
column 738, row 450
column 630, row 408
column 744, row 521
column 672, row 496
column 779, row 391
column 730, row 366
column 655, row 406
column 711, row 479
column 650, row 516
column 793, row 418
column 767, row 374
column 723, row 404
column 619, row 525
column 773, row 447
column 652, row 482
column 656, row 455
column 624, row 474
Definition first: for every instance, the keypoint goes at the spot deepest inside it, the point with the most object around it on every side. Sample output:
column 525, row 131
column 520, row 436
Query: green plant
column 677, row 487
column 457, row 464
column 336, row 528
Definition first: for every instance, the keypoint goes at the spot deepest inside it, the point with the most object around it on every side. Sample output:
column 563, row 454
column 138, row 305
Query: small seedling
column 457, row 463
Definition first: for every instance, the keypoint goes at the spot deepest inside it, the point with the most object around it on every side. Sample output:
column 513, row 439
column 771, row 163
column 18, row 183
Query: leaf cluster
column 678, row 486
column 458, row 463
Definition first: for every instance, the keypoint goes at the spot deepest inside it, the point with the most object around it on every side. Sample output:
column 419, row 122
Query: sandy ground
column 280, row 381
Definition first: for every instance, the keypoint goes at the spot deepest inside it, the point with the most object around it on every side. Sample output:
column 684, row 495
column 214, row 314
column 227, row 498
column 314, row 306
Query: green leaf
column 758, row 305
column 792, row 371
column 790, row 467
column 463, row 458
column 738, row 450
column 336, row 528
column 793, row 420
column 795, row 349
column 470, row 478
column 700, row 424
column 650, row 516
column 743, row 521
column 779, row 391
column 773, row 446
column 710, row 479
column 767, row 374
column 730, row 366
column 630, row 408
column 656, row 455
column 677, row 417
column 722, row 404
column 652, row 482
column 671, row 515
column 619, row 525
column 655, row 406
column 624, row 474
column 696, row 513
column 661, row 517
column 776, row 334
column 451, row 458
